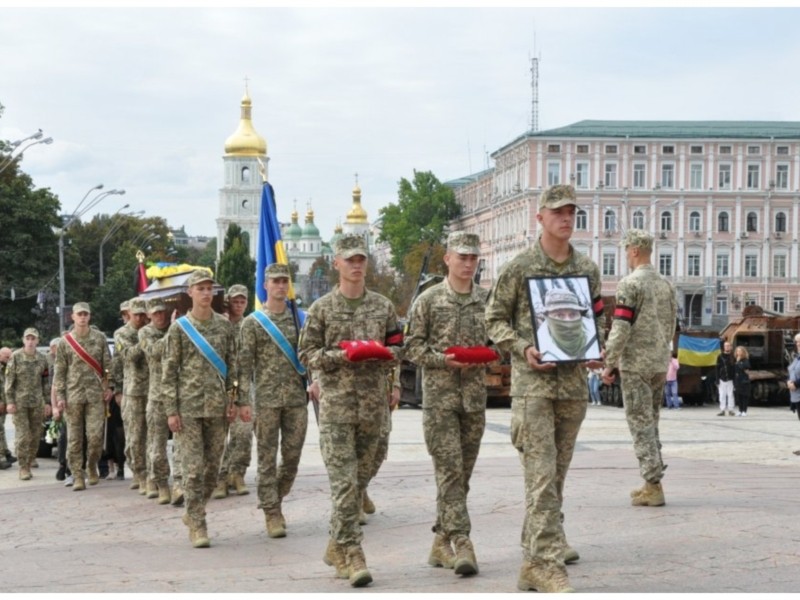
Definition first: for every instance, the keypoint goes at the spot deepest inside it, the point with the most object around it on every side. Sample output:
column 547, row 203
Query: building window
column 723, row 222
column 245, row 174
column 779, row 266
column 665, row 264
column 640, row 149
column 723, row 268
column 725, row 150
column 753, row 176
column 780, row 222
column 610, row 221
column 696, row 150
column 553, row 173
column 668, row 176
column 638, row 220
column 725, row 176
column 696, row 176
column 693, row 265
column 611, row 148
column 750, row 299
column 609, row 264
column 639, row 176
column 751, row 265
column 752, row 221
column 666, row 221
column 778, row 304
column 782, row 151
column 554, row 148
column 582, row 149
column 754, row 150
column 722, row 305
column 694, row 221
column 581, row 220
column 667, row 149
column 611, row 176
column 582, row 175
column 782, row 177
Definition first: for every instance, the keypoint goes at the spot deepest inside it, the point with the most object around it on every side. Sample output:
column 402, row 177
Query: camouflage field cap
column 462, row 242
column 557, row 299
column 155, row 305
column 637, row 238
column 237, row 289
column 199, row 276
column 81, row 307
column 276, row 270
column 30, row 331
column 138, row 306
column 124, row 306
column 557, row 196
column 54, row 342
column 349, row 245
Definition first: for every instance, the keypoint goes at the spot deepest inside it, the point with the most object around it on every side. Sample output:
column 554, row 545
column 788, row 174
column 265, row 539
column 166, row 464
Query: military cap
column 54, row 342
column 155, row 305
column 30, row 331
column 81, row 307
column 237, row 289
column 124, row 306
column 637, row 238
column 199, row 276
column 557, row 196
column 349, row 245
column 557, row 299
column 138, row 306
column 462, row 242
column 276, row 270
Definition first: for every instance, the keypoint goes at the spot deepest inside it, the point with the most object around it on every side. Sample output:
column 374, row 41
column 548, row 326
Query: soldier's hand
column 313, row 390
column 231, row 412
column 61, row 404
column 451, row 362
column 533, row 357
column 11, row 408
column 245, row 414
column 608, row 376
column 108, row 395
column 394, row 398
column 174, row 423
column 593, row 364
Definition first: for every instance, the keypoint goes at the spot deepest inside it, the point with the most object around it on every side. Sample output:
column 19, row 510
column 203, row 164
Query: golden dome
column 356, row 214
column 245, row 141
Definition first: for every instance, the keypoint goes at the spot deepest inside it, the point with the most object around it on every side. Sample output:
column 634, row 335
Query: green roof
column 676, row 129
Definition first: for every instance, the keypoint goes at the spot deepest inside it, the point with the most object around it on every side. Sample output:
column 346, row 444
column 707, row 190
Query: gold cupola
column 356, row 214
column 245, row 141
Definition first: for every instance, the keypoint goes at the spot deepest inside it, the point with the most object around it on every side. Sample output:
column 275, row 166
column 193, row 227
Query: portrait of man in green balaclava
column 567, row 331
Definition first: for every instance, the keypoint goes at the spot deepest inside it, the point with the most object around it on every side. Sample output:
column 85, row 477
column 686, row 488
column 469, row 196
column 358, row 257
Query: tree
column 425, row 206
column 235, row 264
column 412, row 271
column 117, row 287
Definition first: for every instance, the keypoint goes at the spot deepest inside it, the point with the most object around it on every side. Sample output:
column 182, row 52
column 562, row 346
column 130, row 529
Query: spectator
column 671, row 386
column 741, row 380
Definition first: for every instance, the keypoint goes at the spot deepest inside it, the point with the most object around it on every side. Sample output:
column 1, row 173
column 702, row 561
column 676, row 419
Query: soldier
column 348, row 324
column 83, row 386
column 151, row 343
column 117, row 446
column 6, row 459
column 549, row 399
column 27, row 390
column 451, row 313
column 239, row 444
column 645, row 316
column 268, row 362
column 198, row 388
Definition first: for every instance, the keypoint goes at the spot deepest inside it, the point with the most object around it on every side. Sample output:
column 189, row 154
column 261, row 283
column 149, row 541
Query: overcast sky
column 144, row 99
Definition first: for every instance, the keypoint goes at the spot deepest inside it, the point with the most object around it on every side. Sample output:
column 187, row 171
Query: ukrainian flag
column 698, row 352
column 270, row 247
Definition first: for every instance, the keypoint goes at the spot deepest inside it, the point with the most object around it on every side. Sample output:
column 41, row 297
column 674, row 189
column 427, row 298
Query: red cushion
column 358, row 350
column 473, row 354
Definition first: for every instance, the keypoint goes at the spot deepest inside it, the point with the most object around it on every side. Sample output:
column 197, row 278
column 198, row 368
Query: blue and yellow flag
column 270, row 247
column 698, row 352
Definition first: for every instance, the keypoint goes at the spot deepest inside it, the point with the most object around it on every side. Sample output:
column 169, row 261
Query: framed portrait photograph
column 562, row 318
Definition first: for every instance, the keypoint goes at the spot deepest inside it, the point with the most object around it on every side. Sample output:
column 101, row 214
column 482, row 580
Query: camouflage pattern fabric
column 152, row 342
column 125, row 337
column 285, row 427
column 201, row 442
column 27, row 387
column 643, row 394
column 239, row 441
column 382, row 450
column 136, row 372
column 548, row 406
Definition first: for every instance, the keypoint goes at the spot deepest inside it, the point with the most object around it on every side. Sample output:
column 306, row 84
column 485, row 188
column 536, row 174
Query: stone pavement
column 730, row 523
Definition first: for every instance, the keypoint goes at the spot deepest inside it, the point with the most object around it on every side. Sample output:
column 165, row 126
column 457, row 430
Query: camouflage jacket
column 122, row 337
column 644, row 323
column 190, row 386
column 349, row 392
column 264, row 366
column 76, row 381
column 27, row 380
column 151, row 343
column 510, row 324
column 440, row 318
column 134, row 364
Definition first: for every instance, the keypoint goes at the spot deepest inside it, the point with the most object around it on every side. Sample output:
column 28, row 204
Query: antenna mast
column 535, row 94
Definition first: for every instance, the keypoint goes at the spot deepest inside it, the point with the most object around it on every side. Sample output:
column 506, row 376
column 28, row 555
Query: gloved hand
column 473, row 354
column 358, row 350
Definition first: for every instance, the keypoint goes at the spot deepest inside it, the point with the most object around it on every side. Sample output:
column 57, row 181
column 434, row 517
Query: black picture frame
column 571, row 293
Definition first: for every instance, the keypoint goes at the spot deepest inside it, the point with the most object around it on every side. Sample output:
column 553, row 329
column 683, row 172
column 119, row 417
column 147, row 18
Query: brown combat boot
column 134, row 484
column 638, row 491
column 221, row 491
column 466, row 563
column 357, row 570
column 94, row 476
column 177, row 495
column 25, row 473
column 237, row 483
column 546, row 578
column 79, row 484
column 334, row 557
column 275, row 529
column 652, row 495
column 442, row 554
column 164, row 497
column 152, row 489
column 198, row 534
column 571, row 555
column 142, row 484
column 367, row 505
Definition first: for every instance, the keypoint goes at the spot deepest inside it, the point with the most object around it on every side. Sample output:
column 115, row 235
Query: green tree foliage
column 413, row 271
column 235, row 264
column 117, row 287
column 425, row 206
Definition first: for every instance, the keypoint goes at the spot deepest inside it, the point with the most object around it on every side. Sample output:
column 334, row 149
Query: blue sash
column 280, row 340
column 203, row 346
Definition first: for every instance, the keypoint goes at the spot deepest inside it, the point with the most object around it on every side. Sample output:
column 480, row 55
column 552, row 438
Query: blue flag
column 270, row 247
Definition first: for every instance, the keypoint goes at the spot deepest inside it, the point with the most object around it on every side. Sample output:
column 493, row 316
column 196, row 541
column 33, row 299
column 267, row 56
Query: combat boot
column 362, row 518
column 334, row 557
column 144, row 485
column 221, row 491
column 4, row 464
column 652, row 495
column 466, row 563
column 237, row 483
column 275, row 529
column 24, row 473
column 638, row 491
column 151, row 489
column 78, row 484
column 571, row 555
column 177, row 495
column 442, row 554
column 281, row 517
column 164, row 496
column 357, row 570
column 134, row 484
column 94, row 476
column 367, row 505
column 543, row 578
column 34, row 464
column 197, row 533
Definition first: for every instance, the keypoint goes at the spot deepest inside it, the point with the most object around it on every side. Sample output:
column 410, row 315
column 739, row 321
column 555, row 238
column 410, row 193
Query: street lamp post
column 37, row 139
column 111, row 231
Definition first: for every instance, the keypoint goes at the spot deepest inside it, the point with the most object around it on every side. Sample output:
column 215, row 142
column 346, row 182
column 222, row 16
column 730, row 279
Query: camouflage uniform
column 3, row 443
column 194, row 390
column 137, row 382
column 280, row 405
column 454, row 400
column 639, row 344
column 124, row 337
column 548, row 407
column 27, row 387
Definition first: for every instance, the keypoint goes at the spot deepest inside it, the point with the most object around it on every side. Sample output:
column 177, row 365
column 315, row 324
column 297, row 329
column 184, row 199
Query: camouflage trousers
column 27, row 432
column 642, row 394
column 290, row 425
column 136, row 435
column 157, row 438
column 348, row 450
column 3, row 443
column 383, row 443
column 544, row 431
column 125, row 412
column 201, row 441
column 238, row 449
column 85, row 419
column 453, row 439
